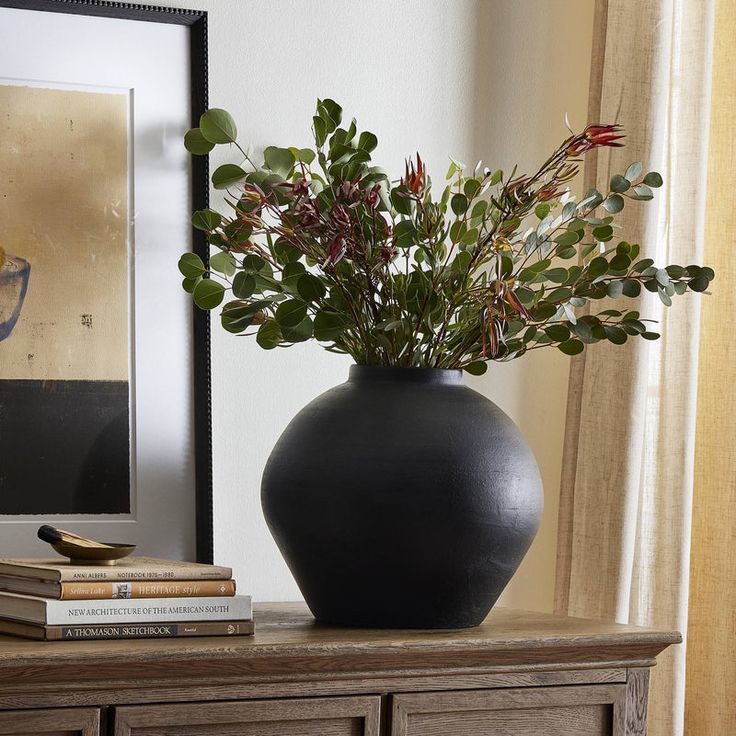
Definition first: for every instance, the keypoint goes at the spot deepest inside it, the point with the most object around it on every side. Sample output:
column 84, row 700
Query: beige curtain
column 710, row 693
column 633, row 457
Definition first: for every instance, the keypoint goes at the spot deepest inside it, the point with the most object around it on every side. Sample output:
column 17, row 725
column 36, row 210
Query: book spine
column 121, row 574
column 174, row 610
column 145, row 589
column 150, row 631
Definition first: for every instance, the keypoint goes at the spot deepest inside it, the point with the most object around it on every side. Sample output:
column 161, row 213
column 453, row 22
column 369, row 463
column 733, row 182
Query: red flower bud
column 593, row 136
column 414, row 179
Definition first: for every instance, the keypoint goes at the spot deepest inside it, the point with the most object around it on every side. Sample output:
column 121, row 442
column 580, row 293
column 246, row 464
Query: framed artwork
column 104, row 367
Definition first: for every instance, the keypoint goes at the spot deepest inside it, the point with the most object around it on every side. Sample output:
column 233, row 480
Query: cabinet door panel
column 55, row 722
column 554, row 711
column 304, row 717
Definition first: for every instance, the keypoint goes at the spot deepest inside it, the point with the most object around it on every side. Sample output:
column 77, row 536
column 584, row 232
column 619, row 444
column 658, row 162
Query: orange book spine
column 144, row 589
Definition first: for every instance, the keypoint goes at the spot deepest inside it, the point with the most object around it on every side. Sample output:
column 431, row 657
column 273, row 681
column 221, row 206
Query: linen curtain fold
column 711, row 630
column 633, row 457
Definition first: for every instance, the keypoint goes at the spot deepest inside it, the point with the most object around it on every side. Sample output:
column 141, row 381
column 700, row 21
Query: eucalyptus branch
column 494, row 267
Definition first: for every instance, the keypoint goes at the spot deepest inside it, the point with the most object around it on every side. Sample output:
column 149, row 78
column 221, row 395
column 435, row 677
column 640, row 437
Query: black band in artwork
column 114, row 397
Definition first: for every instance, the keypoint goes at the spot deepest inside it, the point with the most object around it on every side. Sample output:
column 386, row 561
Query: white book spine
column 141, row 610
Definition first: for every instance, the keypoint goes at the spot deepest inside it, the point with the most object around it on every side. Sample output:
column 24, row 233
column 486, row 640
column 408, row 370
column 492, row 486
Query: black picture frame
column 196, row 22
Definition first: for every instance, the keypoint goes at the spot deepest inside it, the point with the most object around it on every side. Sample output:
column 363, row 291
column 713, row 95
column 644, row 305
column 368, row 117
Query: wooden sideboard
column 519, row 674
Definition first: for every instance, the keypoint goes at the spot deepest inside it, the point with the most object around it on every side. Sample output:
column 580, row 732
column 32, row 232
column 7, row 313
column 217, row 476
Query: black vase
column 402, row 499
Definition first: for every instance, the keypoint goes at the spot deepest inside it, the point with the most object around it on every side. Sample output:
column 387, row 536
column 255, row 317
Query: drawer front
column 304, row 717
column 54, row 722
column 550, row 711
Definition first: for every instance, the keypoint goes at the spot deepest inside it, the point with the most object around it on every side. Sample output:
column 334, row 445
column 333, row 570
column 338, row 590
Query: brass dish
column 79, row 555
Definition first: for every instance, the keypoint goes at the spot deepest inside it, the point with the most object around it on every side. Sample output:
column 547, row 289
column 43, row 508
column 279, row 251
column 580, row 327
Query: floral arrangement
column 321, row 244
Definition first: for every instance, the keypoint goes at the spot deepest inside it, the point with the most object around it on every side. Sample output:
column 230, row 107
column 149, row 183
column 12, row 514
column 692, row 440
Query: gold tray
column 79, row 555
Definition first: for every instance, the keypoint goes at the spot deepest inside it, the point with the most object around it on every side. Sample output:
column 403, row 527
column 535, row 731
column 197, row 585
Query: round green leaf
column 571, row 347
column 620, row 262
column 400, row 201
column 570, row 237
column 196, row 143
column 310, row 288
column 479, row 209
column 642, row 192
column 405, row 234
column 303, row 331
column 206, row 220
column 331, row 109
column 615, row 334
column 642, row 265
column 583, row 330
column 603, row 233
column 542, row 210
column 471, row 188
column 191, row 265
column 544, row 311
column 227, row 175
column 633, row 171
column 619, row 183
column 223, row 263
column 615, row 289
column 244, row 284
column 675, row 272
column 632, row 288
column 477, row 368
column 560, row 294
column 269, row 335
column 699, row 283
column 188, row 283
column 254, row 264
column 291, row 312
column 614, row 204
column 459, row 204
column 208, row 294
column 286, row 252
column 237, row 316
column 557, row 275
column 292, row 269
column 653, row 179
column 597, row 267
column 558, row 333
column 279, row 160
column 633, row 326
column 218, row 126
column 328, row 326
column 367, row 141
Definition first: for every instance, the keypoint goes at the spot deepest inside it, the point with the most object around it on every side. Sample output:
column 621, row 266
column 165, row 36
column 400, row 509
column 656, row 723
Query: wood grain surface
column 69, row 722
column 287, row 630
column 292, row 656
column 556, row 711
column 303, row 717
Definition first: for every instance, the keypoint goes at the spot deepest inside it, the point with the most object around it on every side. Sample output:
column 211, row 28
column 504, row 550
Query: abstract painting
column 65, row 283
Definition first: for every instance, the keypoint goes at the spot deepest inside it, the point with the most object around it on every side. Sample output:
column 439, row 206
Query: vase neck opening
column 376, row 373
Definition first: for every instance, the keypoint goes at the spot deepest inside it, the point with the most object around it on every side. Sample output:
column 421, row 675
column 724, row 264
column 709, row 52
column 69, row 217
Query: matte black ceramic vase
column 402, row 499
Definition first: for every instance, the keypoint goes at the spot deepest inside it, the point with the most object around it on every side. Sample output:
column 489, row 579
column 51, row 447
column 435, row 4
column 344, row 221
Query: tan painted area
column 64, row 209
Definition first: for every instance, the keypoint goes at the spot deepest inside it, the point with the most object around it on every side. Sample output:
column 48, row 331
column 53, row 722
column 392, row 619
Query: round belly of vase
column 402, row 499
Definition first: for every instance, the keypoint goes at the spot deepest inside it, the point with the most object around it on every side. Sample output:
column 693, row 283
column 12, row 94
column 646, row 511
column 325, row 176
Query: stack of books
column 136, row 598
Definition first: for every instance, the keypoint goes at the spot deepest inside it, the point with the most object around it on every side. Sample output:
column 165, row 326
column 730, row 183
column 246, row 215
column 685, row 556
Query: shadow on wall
column 524, row 82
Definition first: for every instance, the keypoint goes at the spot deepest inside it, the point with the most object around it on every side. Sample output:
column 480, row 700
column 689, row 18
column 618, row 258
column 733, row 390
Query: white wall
column 487, row 79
